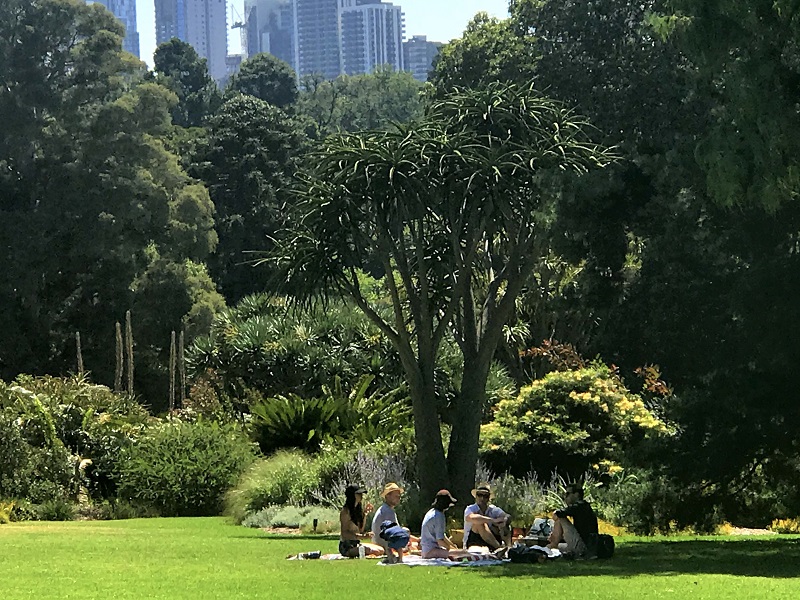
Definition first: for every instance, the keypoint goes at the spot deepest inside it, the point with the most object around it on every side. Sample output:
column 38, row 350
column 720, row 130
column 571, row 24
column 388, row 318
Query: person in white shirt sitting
column 486, row 524
column 391, row 495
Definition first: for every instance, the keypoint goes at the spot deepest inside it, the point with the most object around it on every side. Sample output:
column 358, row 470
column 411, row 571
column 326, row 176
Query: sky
column 440, row 20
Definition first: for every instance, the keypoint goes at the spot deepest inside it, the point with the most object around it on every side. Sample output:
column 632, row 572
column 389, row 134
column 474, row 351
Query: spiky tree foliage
column 451, row 213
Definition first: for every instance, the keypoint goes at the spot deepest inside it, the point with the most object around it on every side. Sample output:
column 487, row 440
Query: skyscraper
column 269, row 27
column 125, row 11
column 419, row 56
column 201, row 23
column 317, row 41
column 372, row 35
column 326, row 37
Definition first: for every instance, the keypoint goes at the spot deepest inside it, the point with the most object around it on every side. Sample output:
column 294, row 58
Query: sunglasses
column 481, row 495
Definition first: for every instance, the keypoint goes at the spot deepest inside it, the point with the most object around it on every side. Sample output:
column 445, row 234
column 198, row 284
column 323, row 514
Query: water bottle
column 362, row 551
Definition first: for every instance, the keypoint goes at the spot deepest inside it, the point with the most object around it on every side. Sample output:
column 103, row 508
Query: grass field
column 207, row 558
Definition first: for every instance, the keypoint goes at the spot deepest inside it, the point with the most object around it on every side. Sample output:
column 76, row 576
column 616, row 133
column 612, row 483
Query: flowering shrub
column 785, row 526
column 568, row 420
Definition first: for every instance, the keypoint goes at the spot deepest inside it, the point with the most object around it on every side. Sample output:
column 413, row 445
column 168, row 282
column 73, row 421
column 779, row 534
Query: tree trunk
column 431, row 463
column 462, row 454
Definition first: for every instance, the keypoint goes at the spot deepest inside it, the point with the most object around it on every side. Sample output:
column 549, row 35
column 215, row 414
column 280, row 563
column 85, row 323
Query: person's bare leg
column 482, row 529
column 436, row 553
column 557, row 535
column 400, row 555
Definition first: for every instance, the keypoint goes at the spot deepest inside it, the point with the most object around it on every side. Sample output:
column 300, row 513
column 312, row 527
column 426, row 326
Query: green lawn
column 207, row 558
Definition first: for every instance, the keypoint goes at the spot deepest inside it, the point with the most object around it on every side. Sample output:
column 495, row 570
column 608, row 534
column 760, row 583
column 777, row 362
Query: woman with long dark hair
column 353, row 519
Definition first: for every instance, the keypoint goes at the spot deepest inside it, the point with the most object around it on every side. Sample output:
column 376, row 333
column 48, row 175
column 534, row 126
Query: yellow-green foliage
column 5, row 512
column 785, row 526
column 587, row 411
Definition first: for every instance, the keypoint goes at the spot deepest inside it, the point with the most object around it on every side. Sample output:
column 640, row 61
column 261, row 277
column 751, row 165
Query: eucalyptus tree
column 452, row 213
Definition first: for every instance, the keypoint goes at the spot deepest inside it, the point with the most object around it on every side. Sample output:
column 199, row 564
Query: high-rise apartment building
column 317, row 46
column 419, row 56
column 201, row 23
column 326, row 37
column 269, row 27
column 125, row 11
column 372, row 36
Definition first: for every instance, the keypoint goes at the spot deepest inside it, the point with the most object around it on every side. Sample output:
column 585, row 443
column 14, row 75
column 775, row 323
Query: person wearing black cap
column 352, row 519
column 433, row 541
column 579, row 536
column 486, row 524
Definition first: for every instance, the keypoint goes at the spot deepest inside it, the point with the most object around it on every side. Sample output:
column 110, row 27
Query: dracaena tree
column 452, row 212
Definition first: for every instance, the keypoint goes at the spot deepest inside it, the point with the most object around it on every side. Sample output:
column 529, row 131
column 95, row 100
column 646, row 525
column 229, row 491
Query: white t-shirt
column 433, row 526
column 492, row 512
column 384, row 513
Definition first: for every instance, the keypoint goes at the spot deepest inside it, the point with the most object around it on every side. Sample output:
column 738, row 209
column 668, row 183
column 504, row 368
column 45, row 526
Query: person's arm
column 439, row 533
column 567, row 511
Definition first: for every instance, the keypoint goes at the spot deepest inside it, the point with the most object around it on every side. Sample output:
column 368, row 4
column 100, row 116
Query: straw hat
column 391, row 487
column 483, row 488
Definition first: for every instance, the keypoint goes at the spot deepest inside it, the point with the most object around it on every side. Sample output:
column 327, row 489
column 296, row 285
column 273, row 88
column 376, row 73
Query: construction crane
column 239, row 23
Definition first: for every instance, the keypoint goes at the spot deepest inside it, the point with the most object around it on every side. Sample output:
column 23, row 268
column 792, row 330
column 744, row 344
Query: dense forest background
column 670, row 275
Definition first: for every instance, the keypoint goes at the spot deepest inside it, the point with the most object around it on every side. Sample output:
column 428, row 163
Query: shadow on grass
column 265, row 537
column 745, row 558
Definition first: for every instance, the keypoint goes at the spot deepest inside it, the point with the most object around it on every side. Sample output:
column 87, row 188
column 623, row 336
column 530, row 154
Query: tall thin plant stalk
column 120, row 359
column 78, row 352
column 182, row 367
column 129, row 349
column 172, row 353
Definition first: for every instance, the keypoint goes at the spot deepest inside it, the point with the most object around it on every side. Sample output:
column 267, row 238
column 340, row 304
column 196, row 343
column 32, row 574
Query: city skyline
column 440, row 20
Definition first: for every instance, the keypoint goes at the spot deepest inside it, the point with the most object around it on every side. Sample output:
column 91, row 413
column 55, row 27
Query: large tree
column 180, row 69
column 247, row 161
column 90, row 200
column 268, row 79
column 451, row 212
column 748, row 58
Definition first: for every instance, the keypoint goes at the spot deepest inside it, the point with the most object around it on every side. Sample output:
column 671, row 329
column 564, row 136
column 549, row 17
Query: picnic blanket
column 412, row 560
column 475, row 560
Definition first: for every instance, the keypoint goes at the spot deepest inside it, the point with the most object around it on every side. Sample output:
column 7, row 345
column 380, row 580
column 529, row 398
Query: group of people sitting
column 487, row 526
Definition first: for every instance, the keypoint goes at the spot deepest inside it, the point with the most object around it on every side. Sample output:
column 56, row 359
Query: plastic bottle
column 362, row 551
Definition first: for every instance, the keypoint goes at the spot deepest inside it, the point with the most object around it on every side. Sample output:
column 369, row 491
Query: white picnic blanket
column 417, row 561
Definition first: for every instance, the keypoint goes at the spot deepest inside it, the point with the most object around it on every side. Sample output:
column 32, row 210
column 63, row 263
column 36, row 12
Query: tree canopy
column 455, row 206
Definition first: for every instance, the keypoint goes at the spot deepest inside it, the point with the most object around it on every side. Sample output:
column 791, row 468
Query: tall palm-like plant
column 451, row 212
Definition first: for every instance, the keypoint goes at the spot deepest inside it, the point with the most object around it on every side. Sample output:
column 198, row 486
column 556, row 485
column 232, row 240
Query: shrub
column 184, row 469
column 785, row 526
column 299, row 479
column 648, row 501
column 286, row 477
column 6, row 507
column 49, row 425
column 57, row 509
column 296, row 517
column 568, row 420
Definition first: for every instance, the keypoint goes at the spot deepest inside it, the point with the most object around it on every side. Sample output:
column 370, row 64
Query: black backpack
column 525, row 554
column 605, row 546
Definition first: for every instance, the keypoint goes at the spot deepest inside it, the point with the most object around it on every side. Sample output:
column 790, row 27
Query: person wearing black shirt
column 579, row 536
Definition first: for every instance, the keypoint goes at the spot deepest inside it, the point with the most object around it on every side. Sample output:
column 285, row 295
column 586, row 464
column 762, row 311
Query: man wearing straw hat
column 391, row 495
column 485, row 524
